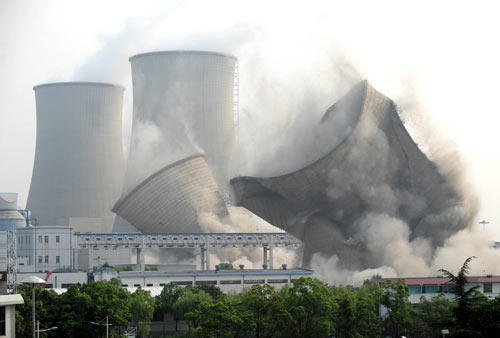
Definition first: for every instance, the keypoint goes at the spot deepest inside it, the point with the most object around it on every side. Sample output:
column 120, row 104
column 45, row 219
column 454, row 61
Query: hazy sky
column 440, row 62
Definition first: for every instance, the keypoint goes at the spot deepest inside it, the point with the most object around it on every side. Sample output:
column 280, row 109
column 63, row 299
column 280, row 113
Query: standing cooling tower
column 183, row 105
column 78, row 170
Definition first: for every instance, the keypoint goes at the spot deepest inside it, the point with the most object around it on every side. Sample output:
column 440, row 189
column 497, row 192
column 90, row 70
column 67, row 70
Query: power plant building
column 78, row 168
column 183, row 106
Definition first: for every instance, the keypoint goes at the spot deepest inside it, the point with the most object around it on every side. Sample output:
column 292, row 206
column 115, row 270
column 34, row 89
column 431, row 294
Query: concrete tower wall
column 324, row 203
column 173, row 199
column 183, row 105
column 78, row 169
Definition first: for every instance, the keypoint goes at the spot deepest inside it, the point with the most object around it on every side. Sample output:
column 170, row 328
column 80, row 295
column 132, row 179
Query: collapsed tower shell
column 173, row 199
column 183, row 105
column 78, row 168
column 375, row 167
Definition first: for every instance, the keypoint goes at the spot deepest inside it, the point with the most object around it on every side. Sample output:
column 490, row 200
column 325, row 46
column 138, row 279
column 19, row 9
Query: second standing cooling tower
column 183, row 105
column 78, row 169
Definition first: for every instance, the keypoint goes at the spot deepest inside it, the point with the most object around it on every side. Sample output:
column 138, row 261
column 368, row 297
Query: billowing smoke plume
column 286, row 84
column 241, row 220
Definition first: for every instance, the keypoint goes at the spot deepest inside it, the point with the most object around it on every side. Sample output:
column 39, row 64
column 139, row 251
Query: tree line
column 308, row 308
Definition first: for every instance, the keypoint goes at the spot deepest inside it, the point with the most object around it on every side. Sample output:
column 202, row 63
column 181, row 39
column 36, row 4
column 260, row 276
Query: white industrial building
column 226, row 280
column 59, row 281
column 45, row 248
column 432, row 286
column 78, row 168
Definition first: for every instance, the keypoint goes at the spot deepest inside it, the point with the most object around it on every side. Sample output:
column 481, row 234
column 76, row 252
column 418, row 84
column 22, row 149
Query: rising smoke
column 280, row 104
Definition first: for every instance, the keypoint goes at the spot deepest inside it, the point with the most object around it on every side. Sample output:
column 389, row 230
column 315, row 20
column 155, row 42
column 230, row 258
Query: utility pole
column 483, row 222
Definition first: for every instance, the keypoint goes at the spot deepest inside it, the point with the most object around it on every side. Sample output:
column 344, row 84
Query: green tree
column 221, row 318
column 434, row 315
column 311, row 307
column 166, row 299
column 142, row 306
column 463, row 297
column 46, row 309
column 265, row 310
column 189, row 302
column 92, row 302
column 399, row 312
column 346, row 320
column 484, row 316
column 368, row 321
column 211, row 289
column 226, row 266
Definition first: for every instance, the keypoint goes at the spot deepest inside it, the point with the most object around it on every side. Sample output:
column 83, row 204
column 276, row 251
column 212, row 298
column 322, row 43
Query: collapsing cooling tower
column 183, row 105
column 173, row 198
column 78, row 169
column 374, row 168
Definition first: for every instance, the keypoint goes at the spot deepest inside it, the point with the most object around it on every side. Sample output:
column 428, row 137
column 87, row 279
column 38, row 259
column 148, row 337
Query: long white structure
column 183, row 105
column 204, row 241
column 226, row 280
column 78, row 169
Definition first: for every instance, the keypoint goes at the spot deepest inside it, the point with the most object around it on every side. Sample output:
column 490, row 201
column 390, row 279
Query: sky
column 439, row 61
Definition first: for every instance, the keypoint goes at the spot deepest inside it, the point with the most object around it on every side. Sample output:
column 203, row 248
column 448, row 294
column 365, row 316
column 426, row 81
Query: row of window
column 214, row 282
column 434, row 288
column 40, row 259
column 41, row 239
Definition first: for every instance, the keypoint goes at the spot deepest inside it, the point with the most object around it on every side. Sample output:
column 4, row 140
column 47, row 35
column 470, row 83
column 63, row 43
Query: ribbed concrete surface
column 78, row 168
column 183, row 105
column 319, row 204
column 171, row 199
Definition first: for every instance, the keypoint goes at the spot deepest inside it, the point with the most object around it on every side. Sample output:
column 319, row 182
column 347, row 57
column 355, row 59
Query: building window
column 254, row 281
column 180, row 283
column 430, row 288
column 40, row 240
column 46, row 259
column 274, row 281
column 446, row 287
column 58, row 260
column 57, row 239
column 229, row 281
column 201, row 282
column 414, row 289
column 146, row 285
column 46, row 239
column 40, row 259
column 487, row 288
column 65, row 286
column 135, row 285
